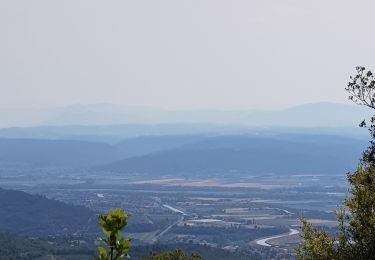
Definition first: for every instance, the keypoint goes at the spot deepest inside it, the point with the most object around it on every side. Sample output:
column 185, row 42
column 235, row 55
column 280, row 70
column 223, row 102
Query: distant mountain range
column 34, row 215
column 310, row 115
column 227, row 156
column 193, row 154
column 115, row 133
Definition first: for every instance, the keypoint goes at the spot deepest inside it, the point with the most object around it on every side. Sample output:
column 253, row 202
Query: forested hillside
column 33, row 215
column 279, row 154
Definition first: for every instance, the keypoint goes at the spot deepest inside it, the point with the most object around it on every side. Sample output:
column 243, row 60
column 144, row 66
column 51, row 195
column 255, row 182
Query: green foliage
column 317, row 244
column 178, row 254
column 116, row 247
column 356, row 236
column 361, row 205
column 205, row 251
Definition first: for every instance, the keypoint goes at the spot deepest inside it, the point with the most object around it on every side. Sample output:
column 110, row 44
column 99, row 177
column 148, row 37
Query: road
column 159, row 235
column 162, row 233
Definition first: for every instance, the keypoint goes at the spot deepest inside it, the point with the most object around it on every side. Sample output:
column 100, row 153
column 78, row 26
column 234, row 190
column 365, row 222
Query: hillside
column 150, row 144
column 17, row 247
column 279, row 154
column 33, row 215
column 37, row 152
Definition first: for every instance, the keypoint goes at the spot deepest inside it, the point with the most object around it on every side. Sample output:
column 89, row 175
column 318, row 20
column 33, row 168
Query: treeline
column 21, row 248
column 33, row 215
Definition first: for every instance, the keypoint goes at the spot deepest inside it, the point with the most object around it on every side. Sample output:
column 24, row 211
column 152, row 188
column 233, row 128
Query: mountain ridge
column 305, row 115
column 289, row 154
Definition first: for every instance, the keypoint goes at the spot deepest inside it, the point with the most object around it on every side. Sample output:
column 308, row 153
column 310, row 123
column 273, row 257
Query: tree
column 178, row 254
column 361, row 89
column 356, row 236
column 317, row 244
column 116, row 247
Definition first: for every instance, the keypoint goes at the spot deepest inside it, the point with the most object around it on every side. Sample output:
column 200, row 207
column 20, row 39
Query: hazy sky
column 182, row 54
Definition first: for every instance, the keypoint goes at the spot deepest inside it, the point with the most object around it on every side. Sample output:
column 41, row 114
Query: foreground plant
column 115, row 246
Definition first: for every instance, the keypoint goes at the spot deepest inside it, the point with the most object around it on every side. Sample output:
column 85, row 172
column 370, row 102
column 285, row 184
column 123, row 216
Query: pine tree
column 116, row 247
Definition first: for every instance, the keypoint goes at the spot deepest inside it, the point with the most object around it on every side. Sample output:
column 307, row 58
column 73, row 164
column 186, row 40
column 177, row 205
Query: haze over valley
column 184, row 184
column 170, row 130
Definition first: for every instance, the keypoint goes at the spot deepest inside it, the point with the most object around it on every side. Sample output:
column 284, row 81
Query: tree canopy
column 355, row 238
column 116, row 247
column 178, row 254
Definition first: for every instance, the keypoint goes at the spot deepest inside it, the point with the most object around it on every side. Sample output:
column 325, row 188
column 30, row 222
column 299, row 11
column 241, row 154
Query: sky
column 232, row 54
